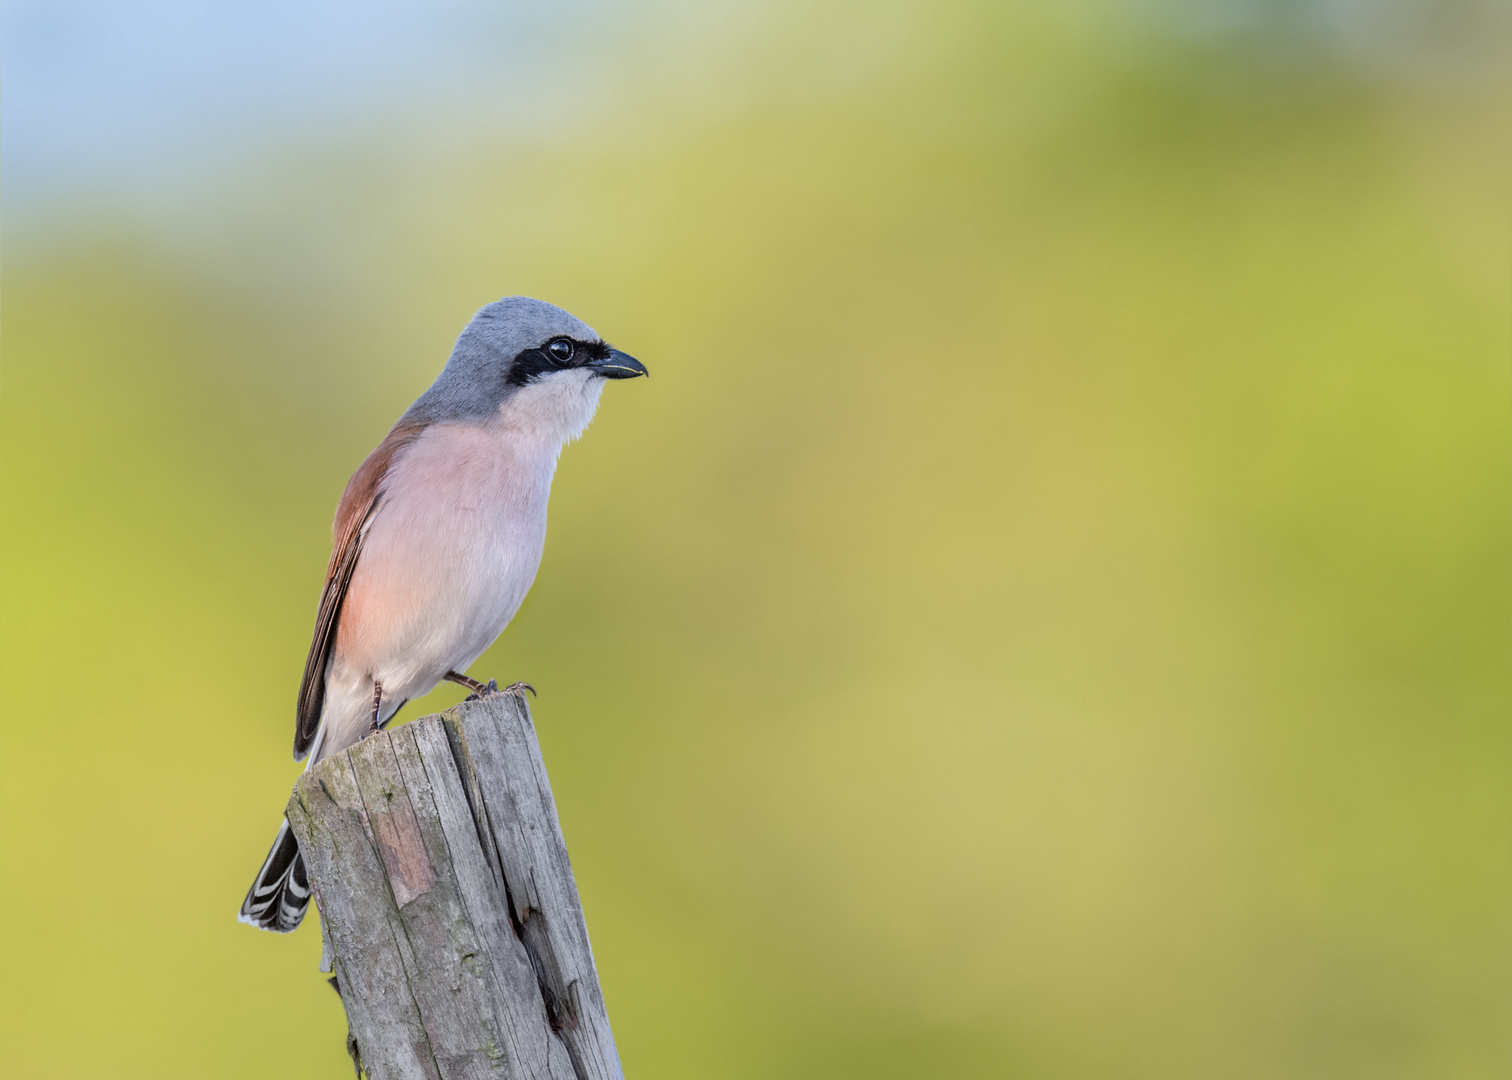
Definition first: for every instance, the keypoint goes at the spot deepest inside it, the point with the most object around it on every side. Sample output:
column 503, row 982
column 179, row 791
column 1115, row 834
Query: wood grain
column 452, row 920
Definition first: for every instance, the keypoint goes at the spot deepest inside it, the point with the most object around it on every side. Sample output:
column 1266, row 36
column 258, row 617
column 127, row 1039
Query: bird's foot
column 493, row 688
column 482, row 690
column 488, row 689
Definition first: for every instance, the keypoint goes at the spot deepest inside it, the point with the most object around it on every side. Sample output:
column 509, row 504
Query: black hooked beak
column 617, row 365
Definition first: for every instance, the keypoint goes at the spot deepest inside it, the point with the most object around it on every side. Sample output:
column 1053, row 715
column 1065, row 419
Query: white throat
column 555, row 408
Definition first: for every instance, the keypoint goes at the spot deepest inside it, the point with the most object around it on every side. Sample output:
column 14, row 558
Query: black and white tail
column 279, row 896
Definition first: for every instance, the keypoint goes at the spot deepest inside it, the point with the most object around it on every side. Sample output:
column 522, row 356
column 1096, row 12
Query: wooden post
column 451, row 918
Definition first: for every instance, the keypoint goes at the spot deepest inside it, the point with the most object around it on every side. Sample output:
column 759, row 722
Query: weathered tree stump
column 451, row 918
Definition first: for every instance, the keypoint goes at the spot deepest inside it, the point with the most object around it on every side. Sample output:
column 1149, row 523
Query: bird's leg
column 483, row 690
column 479, row 690
column 377, row 707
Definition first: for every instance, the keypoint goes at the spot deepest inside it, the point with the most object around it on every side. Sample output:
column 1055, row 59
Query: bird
column 436, row 541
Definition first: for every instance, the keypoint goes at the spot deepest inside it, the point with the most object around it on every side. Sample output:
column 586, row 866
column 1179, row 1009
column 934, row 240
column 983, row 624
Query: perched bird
column 437, row 539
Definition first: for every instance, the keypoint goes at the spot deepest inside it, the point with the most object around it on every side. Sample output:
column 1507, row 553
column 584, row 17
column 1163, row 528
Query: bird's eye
column 560, row 350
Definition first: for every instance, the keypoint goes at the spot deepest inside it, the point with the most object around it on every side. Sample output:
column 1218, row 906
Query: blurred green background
column 1047, row 616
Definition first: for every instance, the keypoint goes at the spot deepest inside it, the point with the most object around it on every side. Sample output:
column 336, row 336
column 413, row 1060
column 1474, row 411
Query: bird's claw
column 489, row 690
column 493, row 688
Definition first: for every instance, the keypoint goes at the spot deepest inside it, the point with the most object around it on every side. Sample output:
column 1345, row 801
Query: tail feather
column 279, row 896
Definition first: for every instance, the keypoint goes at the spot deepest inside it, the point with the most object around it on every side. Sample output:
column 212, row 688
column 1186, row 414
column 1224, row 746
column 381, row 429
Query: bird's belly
column 422, row 606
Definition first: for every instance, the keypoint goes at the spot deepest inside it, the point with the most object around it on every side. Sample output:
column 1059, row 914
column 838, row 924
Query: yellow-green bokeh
column 1046, row 616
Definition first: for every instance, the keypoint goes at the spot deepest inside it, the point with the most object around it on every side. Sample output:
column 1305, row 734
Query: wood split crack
column 562, row 1016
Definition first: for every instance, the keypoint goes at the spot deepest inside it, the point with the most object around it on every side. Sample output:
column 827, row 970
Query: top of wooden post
column 451, row 914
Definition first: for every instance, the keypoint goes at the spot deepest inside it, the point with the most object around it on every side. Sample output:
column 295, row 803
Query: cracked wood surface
column 451, row 918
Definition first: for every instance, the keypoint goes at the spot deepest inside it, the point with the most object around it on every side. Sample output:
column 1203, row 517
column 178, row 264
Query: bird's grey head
column 525, row 363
